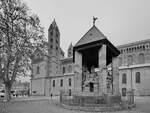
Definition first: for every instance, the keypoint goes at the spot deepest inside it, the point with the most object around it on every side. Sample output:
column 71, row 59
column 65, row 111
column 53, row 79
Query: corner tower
column 54, row 49
column 70, row 50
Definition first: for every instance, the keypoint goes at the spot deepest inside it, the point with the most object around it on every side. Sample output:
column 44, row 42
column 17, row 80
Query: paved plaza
column 48, row 105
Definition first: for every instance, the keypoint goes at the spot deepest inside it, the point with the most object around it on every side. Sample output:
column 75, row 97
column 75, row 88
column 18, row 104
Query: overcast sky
column 122, row 21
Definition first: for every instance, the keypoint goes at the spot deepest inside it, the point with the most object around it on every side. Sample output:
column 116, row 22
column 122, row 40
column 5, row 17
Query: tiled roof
column 94, row 34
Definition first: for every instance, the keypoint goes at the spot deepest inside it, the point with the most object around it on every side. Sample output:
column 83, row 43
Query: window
column 57, row 35
column 143, row 47
column 69, row 92
column 56, row 41
column 141, row 58
column 69, row 80
column 51, row 46
column 124, row 91
column 61, row 83
column 57, row 48
column 130, row 60
column 51, row 40
column 53, row 83
column 137, row 77
column 124, row 78
column 51, row 33
column 38, row 70
column 64, row 70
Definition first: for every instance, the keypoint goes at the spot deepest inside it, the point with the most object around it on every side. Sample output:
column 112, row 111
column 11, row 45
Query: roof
column 133, row 43
column 94, row 34
column 67, row 60
column 95, row 38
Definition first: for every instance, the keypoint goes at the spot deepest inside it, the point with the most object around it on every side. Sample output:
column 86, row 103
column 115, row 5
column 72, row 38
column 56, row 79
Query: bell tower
column 70, row 50
column 54, row 49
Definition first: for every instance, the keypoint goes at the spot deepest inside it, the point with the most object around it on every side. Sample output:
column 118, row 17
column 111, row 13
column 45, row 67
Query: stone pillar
column 115, row 73
column 78, row 72
column 100, row 82
column 103, row 73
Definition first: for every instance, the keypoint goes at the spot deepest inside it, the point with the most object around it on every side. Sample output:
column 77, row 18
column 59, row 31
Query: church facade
column 52, row 72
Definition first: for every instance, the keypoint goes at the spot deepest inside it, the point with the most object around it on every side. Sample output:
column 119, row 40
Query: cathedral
column 52, row 72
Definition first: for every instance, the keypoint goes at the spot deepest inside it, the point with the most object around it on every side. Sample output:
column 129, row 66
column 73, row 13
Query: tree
column 20, row 34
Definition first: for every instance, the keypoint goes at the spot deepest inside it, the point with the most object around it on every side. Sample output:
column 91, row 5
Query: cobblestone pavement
column 47, row 105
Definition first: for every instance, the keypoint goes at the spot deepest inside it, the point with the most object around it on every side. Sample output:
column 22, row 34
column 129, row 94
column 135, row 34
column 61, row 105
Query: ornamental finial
column 94, row 19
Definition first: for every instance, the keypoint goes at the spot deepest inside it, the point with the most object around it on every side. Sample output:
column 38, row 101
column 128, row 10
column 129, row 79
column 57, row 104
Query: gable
column 91, row 36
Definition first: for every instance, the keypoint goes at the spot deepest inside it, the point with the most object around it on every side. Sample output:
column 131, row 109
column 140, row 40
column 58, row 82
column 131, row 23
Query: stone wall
column 56, row 90
column 37, row 86
column 141, row 88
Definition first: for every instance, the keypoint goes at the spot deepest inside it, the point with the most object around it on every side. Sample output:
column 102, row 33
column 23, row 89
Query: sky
column 121, row 21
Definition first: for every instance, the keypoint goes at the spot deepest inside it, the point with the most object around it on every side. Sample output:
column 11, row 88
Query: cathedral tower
column 70, row 50
column 54, row 49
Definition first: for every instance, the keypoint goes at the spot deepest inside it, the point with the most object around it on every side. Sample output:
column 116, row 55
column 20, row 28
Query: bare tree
column 20, row 34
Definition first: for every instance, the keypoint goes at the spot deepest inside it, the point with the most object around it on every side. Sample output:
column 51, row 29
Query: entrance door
column 91, row 87
column 124, row 91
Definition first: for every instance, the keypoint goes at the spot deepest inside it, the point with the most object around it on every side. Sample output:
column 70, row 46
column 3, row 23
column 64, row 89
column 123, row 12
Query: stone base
column 88, row 100
column 103, row 103
column 92, row 108
column 96, row 100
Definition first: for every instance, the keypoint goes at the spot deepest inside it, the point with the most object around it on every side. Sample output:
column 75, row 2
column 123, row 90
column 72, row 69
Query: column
column 78, row 72
column 103, row 72
column 115, row 72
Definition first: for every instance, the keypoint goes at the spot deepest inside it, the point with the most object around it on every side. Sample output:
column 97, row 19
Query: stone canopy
column 95, row 38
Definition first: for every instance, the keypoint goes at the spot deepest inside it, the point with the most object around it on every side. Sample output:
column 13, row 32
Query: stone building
column 52, row 72
column 134, row 67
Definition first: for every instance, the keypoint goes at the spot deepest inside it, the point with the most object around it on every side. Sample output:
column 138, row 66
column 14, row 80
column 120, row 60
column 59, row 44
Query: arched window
column 69, row 92
column 51, row 39
column 53, row 83
column 37, row 70
column 69, row 80
column 64, row 70
column 124, row 78
column 51, row 46
column 61, row 82
column 130, row 60
column 137, row 77
column 141, row 58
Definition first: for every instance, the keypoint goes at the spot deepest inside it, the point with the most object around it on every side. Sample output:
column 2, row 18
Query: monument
column 96, row 79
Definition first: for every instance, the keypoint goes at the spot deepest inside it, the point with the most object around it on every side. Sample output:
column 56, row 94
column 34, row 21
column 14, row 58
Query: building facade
column 134, row 67
column 52, row 72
